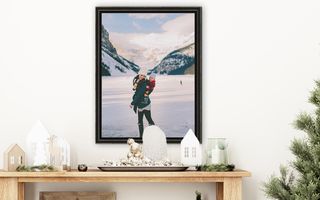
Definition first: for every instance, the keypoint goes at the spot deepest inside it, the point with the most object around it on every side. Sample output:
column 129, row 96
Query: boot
column 140, row 129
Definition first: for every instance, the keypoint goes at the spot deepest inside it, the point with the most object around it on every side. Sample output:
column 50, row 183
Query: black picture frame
column 198, row 66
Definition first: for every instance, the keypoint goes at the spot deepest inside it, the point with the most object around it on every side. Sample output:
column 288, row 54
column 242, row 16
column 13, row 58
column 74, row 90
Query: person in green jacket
column 142, row 102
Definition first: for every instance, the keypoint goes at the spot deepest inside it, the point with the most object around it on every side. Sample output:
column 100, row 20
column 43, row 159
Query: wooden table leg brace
column 21, row 191
column 229, row 189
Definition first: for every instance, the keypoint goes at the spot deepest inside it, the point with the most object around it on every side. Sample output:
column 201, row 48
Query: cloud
column 148, row 15
column 181, row 24
column 136, row 25
column 148, row 49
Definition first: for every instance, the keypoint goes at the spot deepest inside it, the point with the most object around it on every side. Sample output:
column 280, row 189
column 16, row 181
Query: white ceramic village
column 46, row 149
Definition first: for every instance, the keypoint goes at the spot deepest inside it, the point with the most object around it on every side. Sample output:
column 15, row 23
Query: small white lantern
column 59, row 150
column 190, row 148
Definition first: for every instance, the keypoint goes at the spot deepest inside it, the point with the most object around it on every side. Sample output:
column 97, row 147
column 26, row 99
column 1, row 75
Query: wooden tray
column 175, row 168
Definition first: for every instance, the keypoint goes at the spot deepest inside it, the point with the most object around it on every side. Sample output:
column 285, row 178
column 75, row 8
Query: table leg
column 229, row 189
column 9, row 189
column 21, row 191
column 219, row 191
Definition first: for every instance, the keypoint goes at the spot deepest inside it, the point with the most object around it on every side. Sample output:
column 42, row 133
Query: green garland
column 36, row 168
column 216, row 167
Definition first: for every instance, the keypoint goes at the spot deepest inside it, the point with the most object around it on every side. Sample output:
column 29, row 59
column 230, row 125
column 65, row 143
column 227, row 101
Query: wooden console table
column 228, row 187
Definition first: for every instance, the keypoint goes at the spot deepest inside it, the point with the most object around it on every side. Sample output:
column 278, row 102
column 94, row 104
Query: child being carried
column 151, row 83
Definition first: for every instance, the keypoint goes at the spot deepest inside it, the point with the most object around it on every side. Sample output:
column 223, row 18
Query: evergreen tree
column 306, row 184
column 198, row 195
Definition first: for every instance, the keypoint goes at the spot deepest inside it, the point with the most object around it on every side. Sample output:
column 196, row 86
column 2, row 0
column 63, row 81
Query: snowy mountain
column 178, row 62
column 112, row 63
column 155, row 53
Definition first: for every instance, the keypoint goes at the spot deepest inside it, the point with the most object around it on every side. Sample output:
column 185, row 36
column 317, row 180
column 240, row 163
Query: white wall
column 259, row 62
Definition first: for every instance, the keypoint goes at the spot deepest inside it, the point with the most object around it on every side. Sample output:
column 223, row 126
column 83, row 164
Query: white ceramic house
column 38, row 145
column 13, row 157
column 191, row 154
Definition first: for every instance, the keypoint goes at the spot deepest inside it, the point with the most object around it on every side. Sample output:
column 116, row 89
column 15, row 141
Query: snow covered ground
column 172, row 106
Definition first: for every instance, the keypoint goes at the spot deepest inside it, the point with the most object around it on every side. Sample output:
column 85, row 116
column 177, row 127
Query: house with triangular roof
column 191, row 154
column 13, row 157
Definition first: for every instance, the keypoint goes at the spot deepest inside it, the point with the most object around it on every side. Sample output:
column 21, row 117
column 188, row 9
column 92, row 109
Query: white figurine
column 154, row 143
column 190, row 150
column 135, row 149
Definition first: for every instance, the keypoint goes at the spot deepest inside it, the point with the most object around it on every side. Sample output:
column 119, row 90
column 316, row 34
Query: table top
column 98, row 173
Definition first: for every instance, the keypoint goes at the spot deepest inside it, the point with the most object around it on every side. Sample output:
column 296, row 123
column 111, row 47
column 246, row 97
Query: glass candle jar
column 217, row 151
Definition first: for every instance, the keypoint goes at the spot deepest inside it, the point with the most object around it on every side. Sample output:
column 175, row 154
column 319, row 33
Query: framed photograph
column 148, row 72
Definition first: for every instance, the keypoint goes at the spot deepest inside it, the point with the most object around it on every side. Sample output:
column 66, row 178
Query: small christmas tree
column 306, row 185
column 198, row 195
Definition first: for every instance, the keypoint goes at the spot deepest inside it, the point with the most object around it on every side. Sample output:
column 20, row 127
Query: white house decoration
column 38, row 145
column 13, row 157
column 191, row 154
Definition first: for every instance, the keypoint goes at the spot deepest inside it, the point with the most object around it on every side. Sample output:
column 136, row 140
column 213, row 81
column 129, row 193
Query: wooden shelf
column 97, row 173
column 228, row 183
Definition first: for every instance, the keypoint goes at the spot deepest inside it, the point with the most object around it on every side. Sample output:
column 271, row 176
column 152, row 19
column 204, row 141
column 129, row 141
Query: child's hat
column 153, row 75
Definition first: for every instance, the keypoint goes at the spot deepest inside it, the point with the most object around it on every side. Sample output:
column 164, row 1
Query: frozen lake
column 172, row 106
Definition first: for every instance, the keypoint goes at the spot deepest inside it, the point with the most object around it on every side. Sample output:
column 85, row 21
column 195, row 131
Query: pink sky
column 147, row 49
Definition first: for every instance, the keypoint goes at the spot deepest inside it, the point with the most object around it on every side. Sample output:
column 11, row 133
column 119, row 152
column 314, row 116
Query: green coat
column 138, row 98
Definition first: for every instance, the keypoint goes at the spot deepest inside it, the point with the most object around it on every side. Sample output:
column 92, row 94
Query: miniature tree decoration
column 198, row 195
column 307, row 152
column 154, row 143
